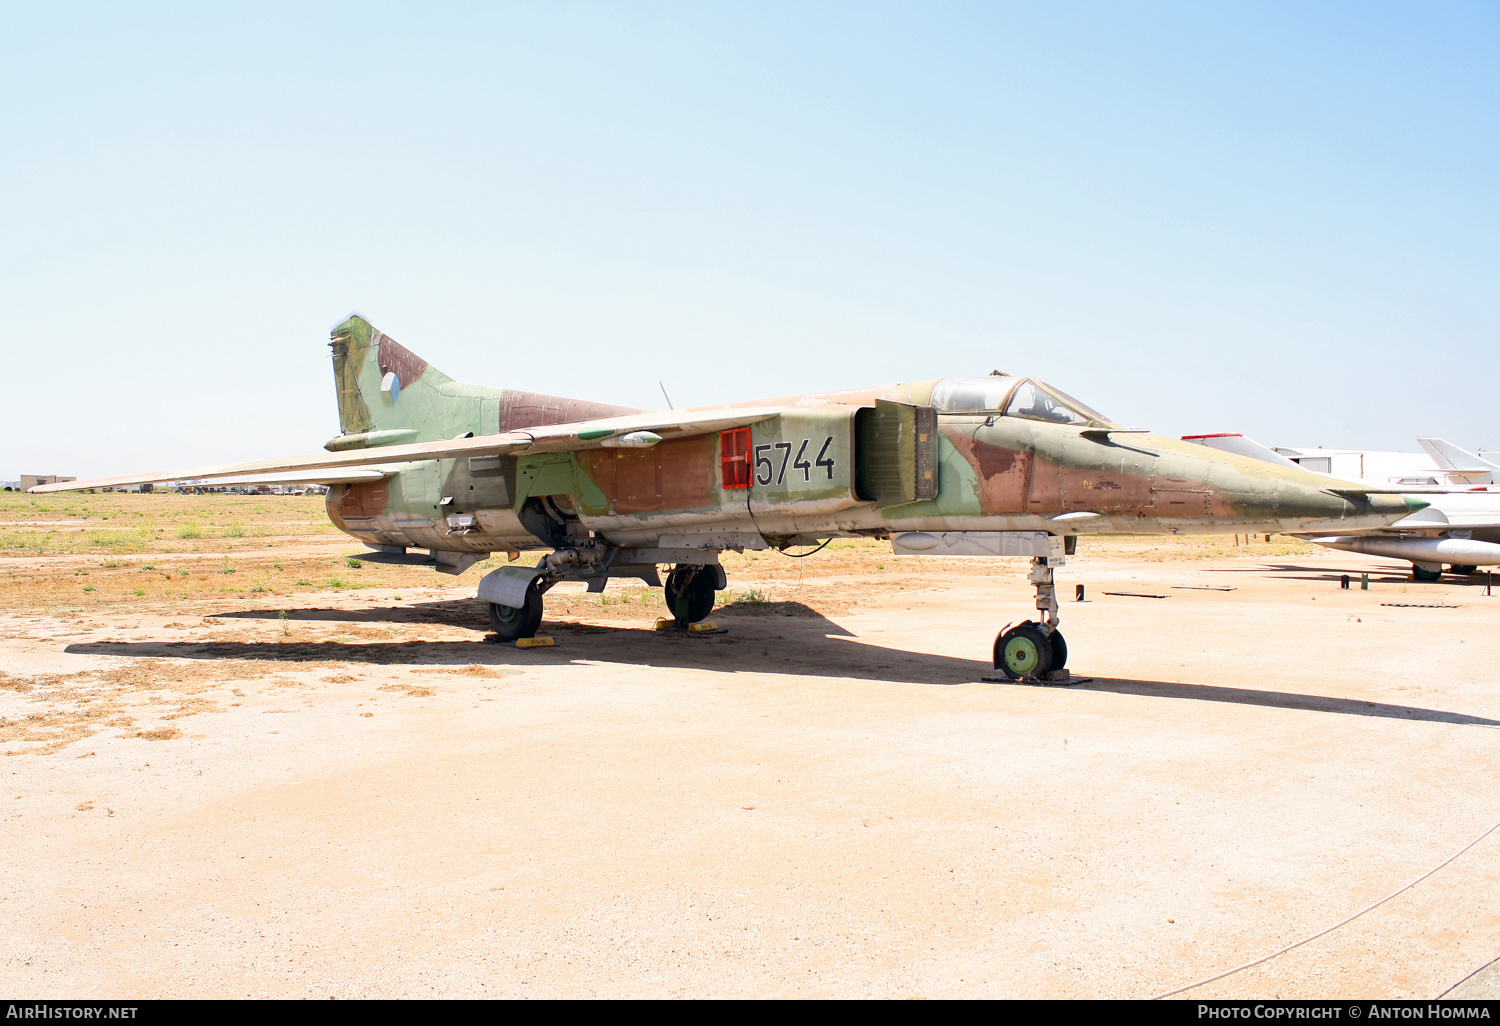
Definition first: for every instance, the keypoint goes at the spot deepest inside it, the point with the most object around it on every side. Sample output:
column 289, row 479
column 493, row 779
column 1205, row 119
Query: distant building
column 30, row 481
column 1396, row 468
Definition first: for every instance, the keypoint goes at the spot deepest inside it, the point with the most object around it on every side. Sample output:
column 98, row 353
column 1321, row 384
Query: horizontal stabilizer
column 348, row 475
column 589, row 434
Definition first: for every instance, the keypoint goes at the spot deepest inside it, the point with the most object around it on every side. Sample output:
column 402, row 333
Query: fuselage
column 825, row 466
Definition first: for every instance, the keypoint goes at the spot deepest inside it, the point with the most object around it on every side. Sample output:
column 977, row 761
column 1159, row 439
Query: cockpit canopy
column 1014, row 397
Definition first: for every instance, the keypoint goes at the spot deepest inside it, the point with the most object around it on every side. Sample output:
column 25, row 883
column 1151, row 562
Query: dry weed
column 159, row 734
column 472, row 670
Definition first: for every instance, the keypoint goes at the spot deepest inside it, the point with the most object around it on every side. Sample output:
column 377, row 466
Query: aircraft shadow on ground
column 1380, row 575
column 1283, row 700
column 793, row 639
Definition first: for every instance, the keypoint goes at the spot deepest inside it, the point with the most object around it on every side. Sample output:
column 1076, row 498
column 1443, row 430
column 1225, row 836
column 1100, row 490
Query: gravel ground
column 363, row 798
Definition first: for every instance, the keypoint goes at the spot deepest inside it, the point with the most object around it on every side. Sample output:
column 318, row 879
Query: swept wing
column 332, row 467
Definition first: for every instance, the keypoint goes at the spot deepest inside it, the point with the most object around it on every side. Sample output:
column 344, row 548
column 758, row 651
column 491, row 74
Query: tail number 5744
column 773, row 458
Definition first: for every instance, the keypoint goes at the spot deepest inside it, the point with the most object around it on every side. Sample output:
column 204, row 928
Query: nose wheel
column 1032, row 650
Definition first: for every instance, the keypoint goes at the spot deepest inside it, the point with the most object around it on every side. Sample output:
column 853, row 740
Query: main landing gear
column 690, row 594
column 1031, row 650
column 1434, row 571
column 512, row 624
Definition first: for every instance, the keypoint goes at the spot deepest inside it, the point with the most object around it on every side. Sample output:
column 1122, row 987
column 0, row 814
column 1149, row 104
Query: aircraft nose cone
column 1321, row 508
column 1396, row 507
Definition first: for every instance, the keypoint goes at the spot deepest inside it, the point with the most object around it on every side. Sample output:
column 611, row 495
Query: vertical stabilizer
column 389, row 395
column 1456, row 460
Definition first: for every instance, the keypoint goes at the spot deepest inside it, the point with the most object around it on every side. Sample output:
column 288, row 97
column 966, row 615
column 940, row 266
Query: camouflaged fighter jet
column 990, row 466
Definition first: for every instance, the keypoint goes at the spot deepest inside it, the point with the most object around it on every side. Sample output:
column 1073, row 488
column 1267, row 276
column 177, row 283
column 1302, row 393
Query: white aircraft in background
column 1443, row 464
column 1459, row 464
column 1459, row 529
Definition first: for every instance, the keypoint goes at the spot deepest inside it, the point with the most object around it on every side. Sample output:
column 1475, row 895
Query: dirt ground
column 239, row 765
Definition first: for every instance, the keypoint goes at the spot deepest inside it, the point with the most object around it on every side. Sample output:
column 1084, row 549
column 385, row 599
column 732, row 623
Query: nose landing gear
column 1035, row 651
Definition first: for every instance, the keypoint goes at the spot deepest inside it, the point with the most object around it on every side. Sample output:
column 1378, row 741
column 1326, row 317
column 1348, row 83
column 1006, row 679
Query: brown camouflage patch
column 393, row 356
column 520, row 410
column 365, row 499
column 1002, row 472
column 680, row 474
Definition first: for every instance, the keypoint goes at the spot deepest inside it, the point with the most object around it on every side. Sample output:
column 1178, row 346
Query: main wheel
column 690, row 594
column 1059, row 651
column 511, row 624
column 1418, row 574
column 1024, row 651
column 1456, row 569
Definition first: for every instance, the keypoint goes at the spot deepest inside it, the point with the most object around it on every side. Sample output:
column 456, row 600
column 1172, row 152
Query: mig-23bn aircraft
column 988, row 466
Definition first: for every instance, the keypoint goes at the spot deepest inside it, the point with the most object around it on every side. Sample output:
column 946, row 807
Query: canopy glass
column 1014, row 397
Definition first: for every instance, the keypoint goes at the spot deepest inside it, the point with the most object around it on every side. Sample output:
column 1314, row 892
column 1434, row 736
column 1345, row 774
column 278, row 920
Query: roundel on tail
column 391, row 385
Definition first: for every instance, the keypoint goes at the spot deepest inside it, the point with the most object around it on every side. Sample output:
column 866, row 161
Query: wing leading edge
column 389, row 459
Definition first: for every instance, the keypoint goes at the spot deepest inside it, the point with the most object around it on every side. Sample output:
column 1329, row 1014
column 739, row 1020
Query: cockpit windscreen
column 1024, row 397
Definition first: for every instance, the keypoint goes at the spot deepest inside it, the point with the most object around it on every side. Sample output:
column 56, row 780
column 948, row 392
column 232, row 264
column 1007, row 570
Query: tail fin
column 1455, row 459
column 389, row 395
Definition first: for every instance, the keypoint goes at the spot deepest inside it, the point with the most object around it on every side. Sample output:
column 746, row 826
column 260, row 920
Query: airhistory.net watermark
column 50, row 1011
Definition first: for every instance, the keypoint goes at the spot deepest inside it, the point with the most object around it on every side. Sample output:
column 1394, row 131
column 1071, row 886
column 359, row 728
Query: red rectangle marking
column 734, row 457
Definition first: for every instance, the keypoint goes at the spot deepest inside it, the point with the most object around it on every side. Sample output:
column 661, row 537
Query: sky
column 1274, row 218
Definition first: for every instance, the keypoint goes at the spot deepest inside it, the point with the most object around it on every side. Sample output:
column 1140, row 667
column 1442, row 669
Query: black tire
column 1456, row 569
column 1059, row 651
column 690, row 593
column 1418, row 574
column 512, row 624
column 1024, row 652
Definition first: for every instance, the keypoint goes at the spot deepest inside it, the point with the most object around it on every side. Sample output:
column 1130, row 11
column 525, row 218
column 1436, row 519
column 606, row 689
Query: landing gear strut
column 1030, row 650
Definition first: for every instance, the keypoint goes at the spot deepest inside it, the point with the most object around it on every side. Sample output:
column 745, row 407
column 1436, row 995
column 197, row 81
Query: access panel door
column 896, row 453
